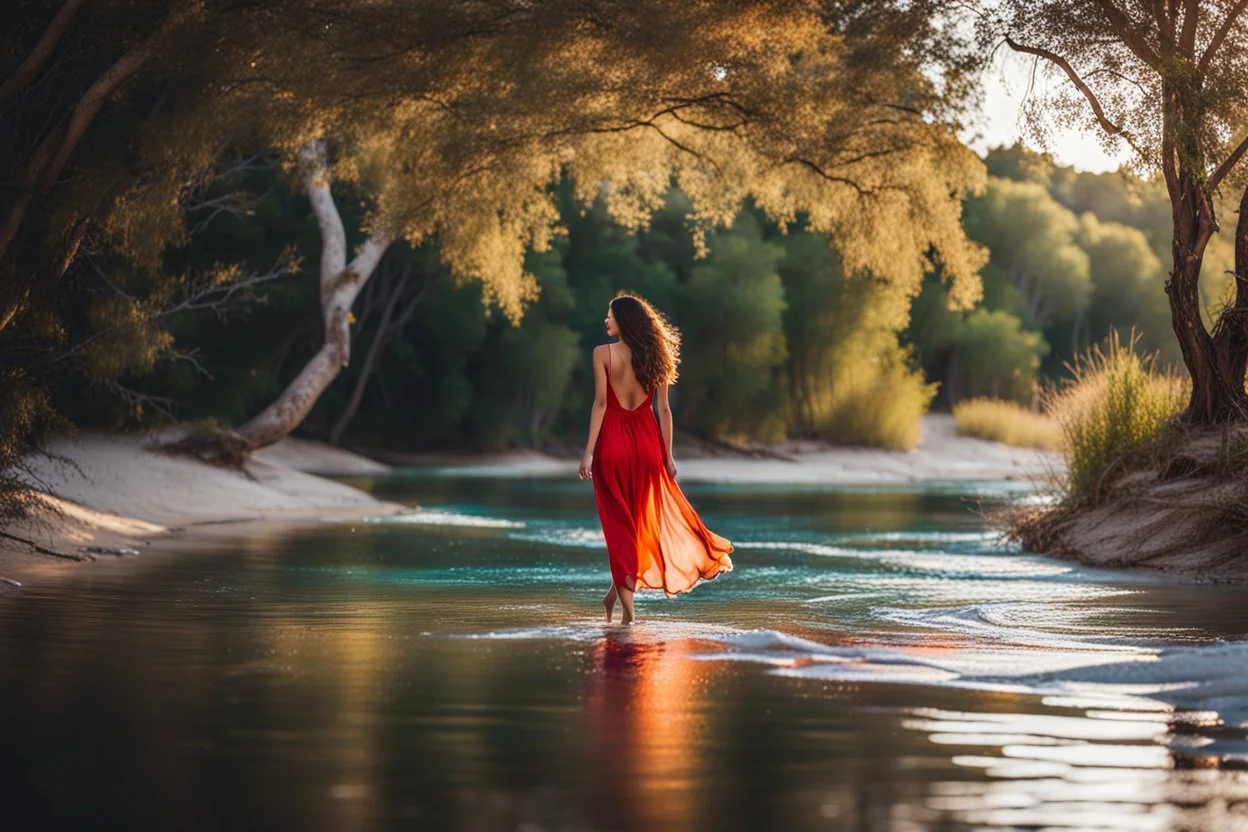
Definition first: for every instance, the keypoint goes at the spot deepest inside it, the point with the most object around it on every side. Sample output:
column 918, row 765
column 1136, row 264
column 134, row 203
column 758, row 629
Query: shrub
column 878, row 401
column 1001, row 421
column 1113, row 414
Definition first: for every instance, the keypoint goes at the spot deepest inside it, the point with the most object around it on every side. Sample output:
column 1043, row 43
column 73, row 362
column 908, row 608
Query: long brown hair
column 654, row 342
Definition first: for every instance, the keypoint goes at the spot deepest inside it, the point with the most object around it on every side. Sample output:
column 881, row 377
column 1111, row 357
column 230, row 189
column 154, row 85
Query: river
column 879, row 659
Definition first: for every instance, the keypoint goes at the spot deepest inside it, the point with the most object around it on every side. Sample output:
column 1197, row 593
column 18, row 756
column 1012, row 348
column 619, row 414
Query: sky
column 1005, row 85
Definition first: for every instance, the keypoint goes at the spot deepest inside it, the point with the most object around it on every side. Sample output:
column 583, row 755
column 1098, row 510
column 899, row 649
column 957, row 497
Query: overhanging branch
column 1106, row 125
column 1223, row 169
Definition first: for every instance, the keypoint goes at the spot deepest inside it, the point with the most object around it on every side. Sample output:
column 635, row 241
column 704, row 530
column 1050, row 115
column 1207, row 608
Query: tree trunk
column 52, row 154
column 1217, row 394
column 1230, row 334
column 340, row 283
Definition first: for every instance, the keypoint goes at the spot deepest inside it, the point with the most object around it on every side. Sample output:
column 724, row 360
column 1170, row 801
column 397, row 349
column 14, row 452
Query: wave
column 438, row 517
column 1205, row 682
column 580, row 538
column 946, row 563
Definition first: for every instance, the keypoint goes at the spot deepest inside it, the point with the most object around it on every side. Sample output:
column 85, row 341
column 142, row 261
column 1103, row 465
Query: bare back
column 623, row 380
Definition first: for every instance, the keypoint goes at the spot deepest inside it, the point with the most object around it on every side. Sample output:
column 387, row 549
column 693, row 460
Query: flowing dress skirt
column 654, row 537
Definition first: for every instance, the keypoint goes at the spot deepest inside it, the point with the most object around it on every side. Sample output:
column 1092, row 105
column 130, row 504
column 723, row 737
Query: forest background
column 206, row 309
column 778, row 341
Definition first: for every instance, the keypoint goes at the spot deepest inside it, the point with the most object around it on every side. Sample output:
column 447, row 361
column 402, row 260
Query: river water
column 878, row 660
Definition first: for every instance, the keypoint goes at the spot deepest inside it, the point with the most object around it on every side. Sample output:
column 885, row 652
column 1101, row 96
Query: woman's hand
column 584, row 471
column 671, row 467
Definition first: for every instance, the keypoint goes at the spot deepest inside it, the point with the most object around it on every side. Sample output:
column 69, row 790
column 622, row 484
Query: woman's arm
column 596, row 412
column 665, row 425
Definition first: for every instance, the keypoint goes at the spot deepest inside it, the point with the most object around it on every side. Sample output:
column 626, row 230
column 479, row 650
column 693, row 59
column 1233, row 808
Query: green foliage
column 849, row 381
column 1007, row 422
column 1112, row 414
column 1032, row 245
column 1130, row 291
column 997, row 357
column 877, row 400
column 731, row 310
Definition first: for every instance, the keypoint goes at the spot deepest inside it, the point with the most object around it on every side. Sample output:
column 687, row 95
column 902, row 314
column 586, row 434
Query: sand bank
column 942, row 455
column 110, row 494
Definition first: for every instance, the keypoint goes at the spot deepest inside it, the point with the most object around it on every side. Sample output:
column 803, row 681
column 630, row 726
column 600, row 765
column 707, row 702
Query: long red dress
column 654, row 537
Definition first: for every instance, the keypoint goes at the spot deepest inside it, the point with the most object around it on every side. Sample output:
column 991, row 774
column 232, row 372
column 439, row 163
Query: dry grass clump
column 1114, row 416
column 1007, row 422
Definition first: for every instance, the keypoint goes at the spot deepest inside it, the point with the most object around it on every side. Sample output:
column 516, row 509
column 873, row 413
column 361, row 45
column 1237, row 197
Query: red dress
column 654, row 537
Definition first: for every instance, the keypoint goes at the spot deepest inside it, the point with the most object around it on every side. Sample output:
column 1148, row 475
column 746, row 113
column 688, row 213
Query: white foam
column 580, row 538
column 944, row 563
column 436, row 517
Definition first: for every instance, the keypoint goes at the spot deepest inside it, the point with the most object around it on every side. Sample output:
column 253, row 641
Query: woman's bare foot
column 608, row 602
column 626, row 601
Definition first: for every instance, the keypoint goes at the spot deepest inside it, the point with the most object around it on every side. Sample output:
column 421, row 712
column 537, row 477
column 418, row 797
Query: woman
column 654, row 537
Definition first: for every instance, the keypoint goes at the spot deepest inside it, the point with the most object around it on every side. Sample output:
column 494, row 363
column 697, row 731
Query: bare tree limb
column 39, row 56
column 1227, row 164
column 1106, row 125
column 161, row 404
column 1219, row 36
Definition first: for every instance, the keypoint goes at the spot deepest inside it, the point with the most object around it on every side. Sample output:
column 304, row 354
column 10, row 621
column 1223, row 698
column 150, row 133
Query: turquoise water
column 878, row 660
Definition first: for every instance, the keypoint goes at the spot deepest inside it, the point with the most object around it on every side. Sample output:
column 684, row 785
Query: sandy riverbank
column 941, row 455
column 110, row 493
column 114, row 492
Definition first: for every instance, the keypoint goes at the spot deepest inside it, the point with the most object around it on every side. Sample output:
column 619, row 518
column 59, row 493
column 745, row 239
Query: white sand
column 116, row 491
column 941, row 455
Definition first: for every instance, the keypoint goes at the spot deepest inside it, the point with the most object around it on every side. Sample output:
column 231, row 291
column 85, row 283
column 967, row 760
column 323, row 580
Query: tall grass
column 1113, row 414
column 1008, row 422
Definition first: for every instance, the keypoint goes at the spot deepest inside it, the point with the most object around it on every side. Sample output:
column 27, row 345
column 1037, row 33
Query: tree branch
column 43, row 50
column 1187, row 35
column 1216, row 43
column 1107, row 125
column 1227, row 164
column 1122, row 26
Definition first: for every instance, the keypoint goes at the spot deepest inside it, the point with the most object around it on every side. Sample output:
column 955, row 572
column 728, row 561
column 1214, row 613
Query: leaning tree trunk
column 340, row 283
column 1230, row 335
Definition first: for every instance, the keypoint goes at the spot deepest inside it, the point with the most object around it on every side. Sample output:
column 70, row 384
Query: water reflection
column 1095, row 770
column 879, row 662
column 642, row 710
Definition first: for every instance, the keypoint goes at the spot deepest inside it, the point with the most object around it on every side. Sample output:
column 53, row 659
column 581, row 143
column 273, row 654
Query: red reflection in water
column 645, row 718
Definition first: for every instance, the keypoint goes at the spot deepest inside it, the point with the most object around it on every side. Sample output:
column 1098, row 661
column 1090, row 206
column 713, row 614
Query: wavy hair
column 654, row 342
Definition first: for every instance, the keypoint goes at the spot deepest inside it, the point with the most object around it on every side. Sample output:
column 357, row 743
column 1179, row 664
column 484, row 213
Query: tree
column 1031, row 240
column 733, row 308
column 997, row 357
column 826, row 110
column 453, row 120
column 1128, row 293
column 849, row 380
column 1169, row 80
